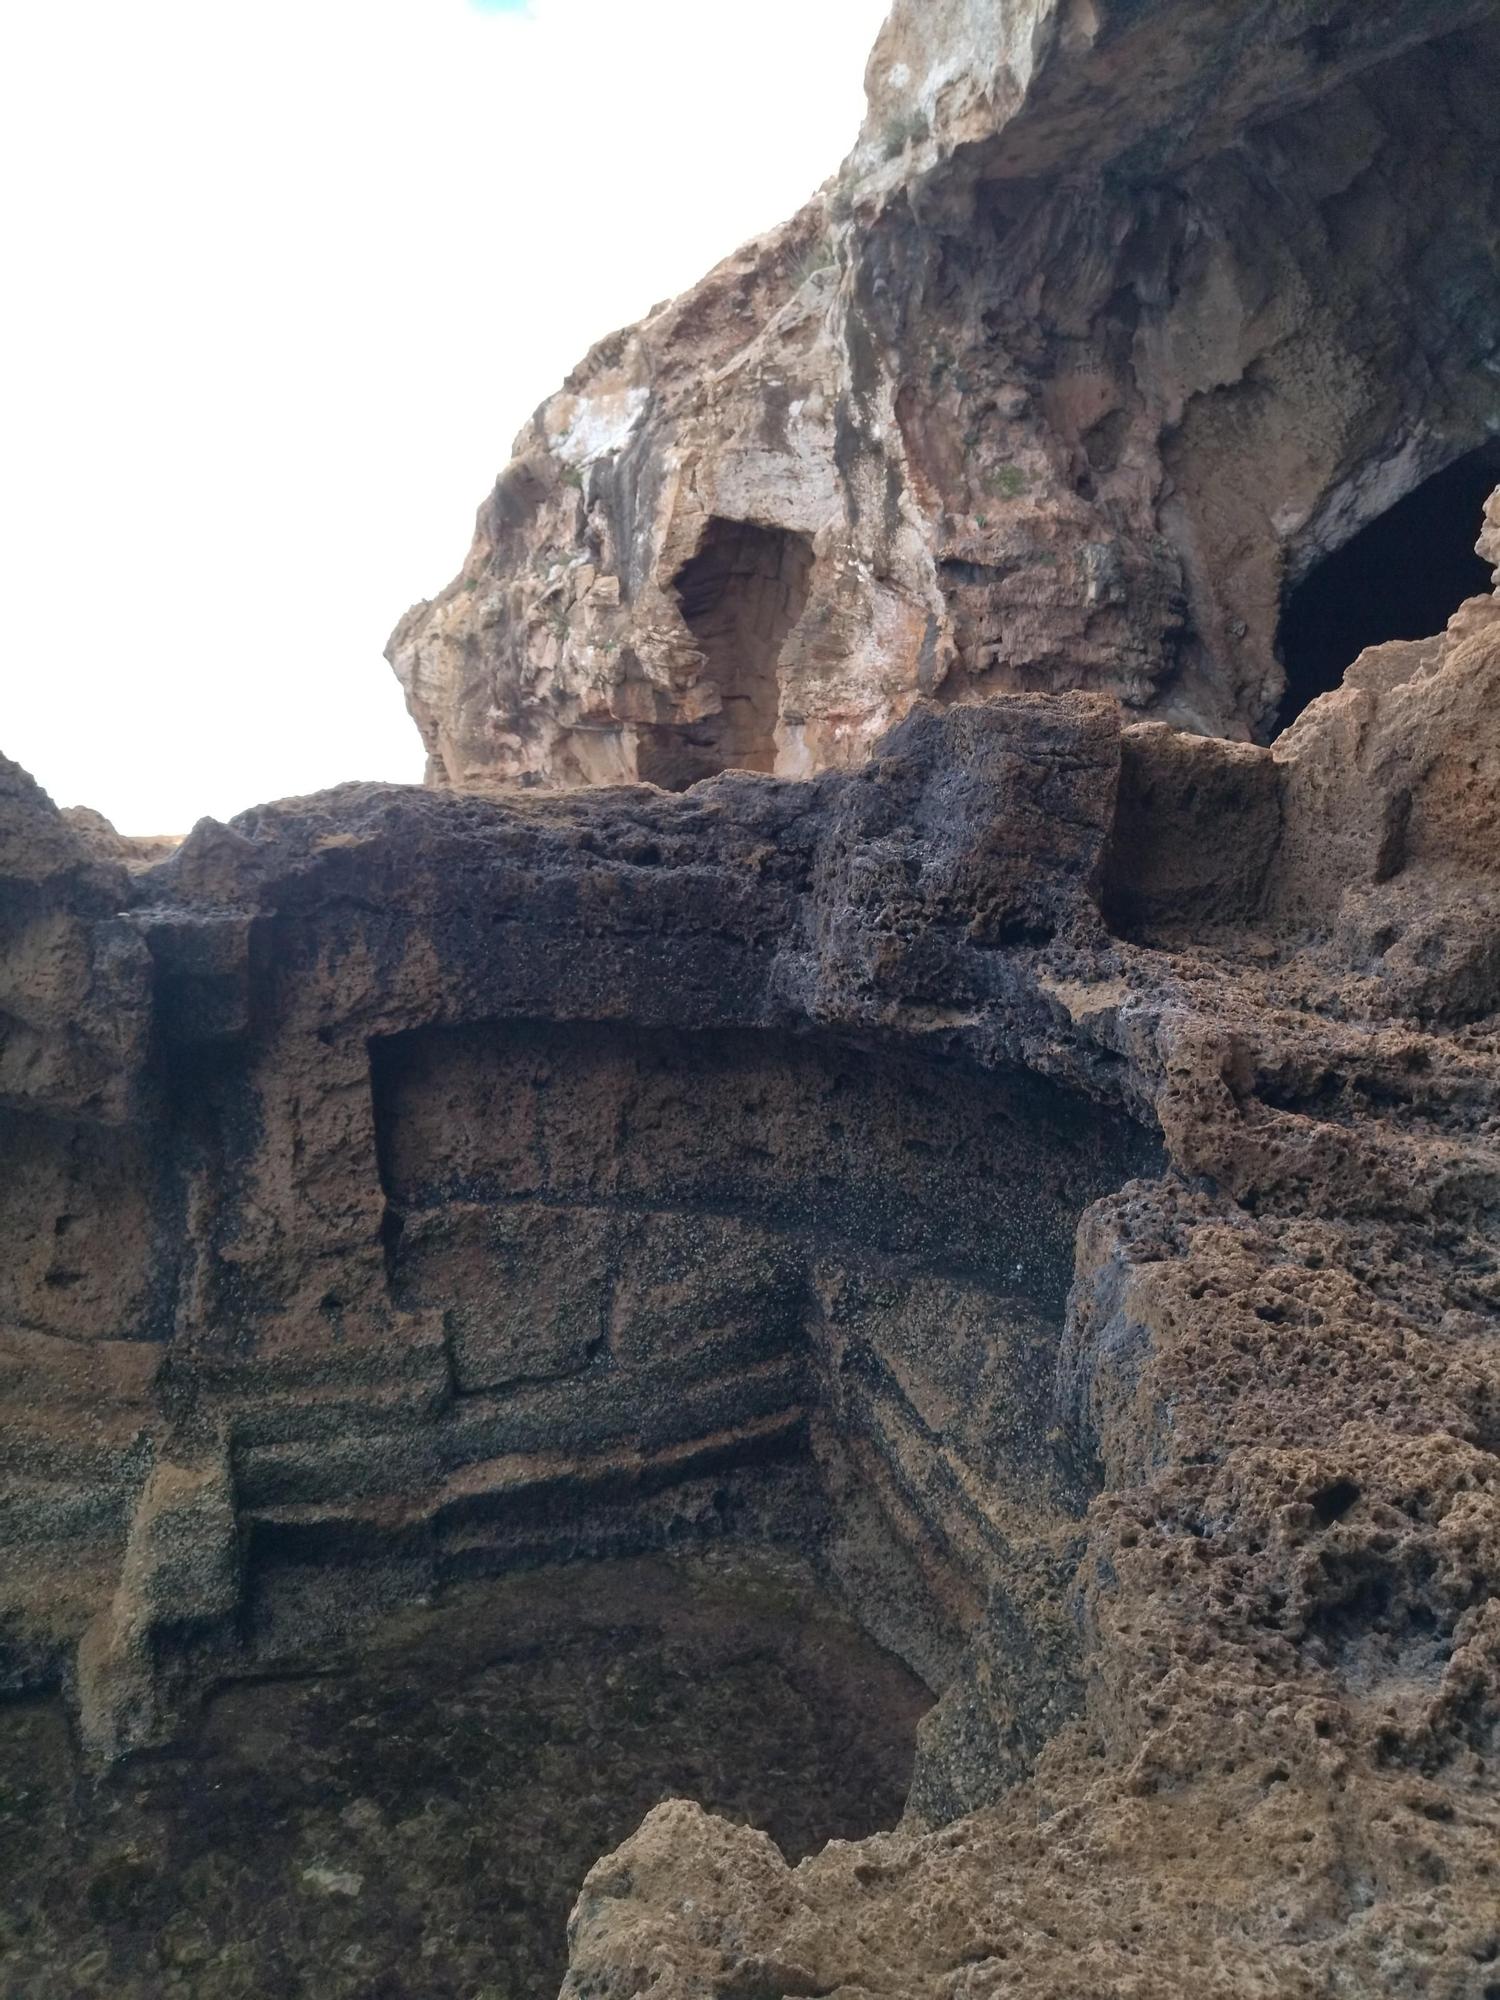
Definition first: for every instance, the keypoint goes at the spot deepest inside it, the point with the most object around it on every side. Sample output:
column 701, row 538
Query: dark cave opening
column 411, row 1815
column 1401, row 577
column 740, row 596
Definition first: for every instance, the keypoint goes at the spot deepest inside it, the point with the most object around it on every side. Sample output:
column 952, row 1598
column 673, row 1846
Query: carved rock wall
column 1281, row 1775
column 492, row 1185
column 1048, row 1175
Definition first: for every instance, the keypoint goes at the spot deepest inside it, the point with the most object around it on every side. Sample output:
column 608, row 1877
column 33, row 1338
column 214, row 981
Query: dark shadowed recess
column 413, row 1820
column 740, row 597
column 696, row 1235
column 1402, row 577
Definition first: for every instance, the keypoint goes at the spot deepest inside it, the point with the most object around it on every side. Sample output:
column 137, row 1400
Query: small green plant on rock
column 841, row 201
column 909, row 129
column 819, row 257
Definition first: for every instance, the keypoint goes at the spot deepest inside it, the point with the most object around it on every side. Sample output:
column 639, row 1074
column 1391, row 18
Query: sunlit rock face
column 1118, row 319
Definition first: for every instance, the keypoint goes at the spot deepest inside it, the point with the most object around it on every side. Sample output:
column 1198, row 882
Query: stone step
column 287, row 1489
column 333, row 1470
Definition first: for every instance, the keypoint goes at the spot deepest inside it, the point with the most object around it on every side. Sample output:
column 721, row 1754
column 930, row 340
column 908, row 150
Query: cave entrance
column 740, row 596
column 1401, row 577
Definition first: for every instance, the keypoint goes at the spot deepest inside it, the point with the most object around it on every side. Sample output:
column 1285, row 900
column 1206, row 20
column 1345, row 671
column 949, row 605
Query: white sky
column 283, row 280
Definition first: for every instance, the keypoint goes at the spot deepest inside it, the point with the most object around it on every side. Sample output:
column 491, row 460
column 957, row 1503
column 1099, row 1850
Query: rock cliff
column 1118, row 320
column 1035, row 1166
column 1047, row 1177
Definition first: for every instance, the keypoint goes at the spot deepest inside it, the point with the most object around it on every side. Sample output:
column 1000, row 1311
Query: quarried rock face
column 1118, row 321
column 1281, row 1775
column 1045, row 1179
column 501, row 1185
column 948, row 1140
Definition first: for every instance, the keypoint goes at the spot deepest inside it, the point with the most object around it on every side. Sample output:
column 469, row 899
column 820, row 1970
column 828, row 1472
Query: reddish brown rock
column 1115, row 323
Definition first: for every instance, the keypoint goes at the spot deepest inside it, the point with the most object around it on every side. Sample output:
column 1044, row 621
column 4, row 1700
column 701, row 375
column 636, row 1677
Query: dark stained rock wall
column 411, row 1815
column 431, row 1248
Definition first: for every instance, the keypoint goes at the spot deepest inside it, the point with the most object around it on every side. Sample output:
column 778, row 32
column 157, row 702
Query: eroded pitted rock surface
column 1118, row 319
column 1046, row 1178
column 1040, row 1178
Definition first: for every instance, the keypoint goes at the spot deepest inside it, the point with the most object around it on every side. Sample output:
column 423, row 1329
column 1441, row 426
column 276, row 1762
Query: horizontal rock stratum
column 1117, row 319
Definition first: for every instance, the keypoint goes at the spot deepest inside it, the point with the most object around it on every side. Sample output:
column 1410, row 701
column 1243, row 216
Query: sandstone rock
column 179, row 1582
column 73, row 1003
column 1046, row 1171
column 1393, row 783
column 1488, row 545
column 1003, row 1172
column 135, row 850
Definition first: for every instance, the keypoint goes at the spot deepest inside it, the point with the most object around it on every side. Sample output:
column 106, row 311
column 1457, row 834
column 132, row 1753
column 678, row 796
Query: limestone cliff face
column 1117, row 319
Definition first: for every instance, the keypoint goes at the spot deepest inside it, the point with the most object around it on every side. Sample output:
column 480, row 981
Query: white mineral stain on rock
column 333, row 1881
column 584, row 428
